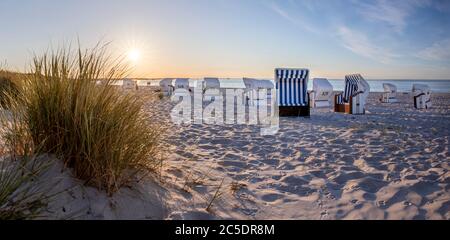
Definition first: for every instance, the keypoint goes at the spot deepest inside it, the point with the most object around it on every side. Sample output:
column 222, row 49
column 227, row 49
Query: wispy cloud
column 439, row 51
column 393, row 13
column 294, row 20
column 359, row 43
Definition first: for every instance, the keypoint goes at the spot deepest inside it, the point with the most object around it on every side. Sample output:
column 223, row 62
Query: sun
column 134, row 55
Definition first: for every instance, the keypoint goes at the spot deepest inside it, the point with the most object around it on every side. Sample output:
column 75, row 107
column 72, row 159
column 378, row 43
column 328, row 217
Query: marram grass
column 9, row 87
column 99, row 132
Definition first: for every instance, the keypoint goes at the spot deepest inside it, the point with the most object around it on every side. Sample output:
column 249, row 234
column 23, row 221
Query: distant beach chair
column 292, row 86
column 248, row 91
column 353, row 99
column 129, row 84
column 211, row 88
column 167, row 87
column 321, row 94
column 267, row 85
column 211, row 83
column 252, row 86
column 422, row 96
column 181, row 83
column 390, row 93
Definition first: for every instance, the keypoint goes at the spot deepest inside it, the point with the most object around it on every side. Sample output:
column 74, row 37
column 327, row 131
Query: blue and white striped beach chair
column 292, row 86
column 353, row 99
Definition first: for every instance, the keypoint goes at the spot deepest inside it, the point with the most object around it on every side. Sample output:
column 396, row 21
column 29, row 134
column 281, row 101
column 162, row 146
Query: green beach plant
column 99, row 132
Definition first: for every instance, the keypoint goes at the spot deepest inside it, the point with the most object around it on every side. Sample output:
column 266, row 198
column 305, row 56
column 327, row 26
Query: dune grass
column 21, row 195
column 99, row 132
column 9, row 87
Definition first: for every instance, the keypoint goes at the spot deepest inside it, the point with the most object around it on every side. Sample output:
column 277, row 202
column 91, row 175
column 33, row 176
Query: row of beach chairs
column 293, row 97
column 292, row 83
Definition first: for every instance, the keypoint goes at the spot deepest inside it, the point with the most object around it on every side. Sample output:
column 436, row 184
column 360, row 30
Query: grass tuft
column 22, row 196
column 99, row 132
column 9, row 88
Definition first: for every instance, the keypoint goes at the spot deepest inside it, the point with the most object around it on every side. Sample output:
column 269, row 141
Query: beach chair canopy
column 322, row 84
column 422, row 88
column 251, row 83
column 210, row 83
column 388, row 87
column 166, row 83
column 364, row 87
column 267, row 84
column 292, row 86
column 248, row 82
column 181, row 83
column 354, row 84
column 322, row 90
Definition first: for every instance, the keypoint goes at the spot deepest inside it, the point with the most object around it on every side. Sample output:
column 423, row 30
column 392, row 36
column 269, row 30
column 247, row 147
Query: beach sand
column 392, row 163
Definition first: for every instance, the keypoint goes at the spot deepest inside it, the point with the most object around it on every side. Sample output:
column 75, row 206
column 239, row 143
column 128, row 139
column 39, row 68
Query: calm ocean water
column 438, row 86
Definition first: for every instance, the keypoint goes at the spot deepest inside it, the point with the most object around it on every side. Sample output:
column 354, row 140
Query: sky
column 381, row 39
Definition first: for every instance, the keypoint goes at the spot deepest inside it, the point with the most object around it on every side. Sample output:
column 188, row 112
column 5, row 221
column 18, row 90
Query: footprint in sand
column 271, row 197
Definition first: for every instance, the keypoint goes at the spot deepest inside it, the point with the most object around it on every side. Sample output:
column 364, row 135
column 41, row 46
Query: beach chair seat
column 292, row 91
column 353, row 99
column 389, row 94
column 321, row 94
column 422, row 96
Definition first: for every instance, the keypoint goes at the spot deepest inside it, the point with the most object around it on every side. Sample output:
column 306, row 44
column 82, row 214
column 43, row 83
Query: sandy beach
column 392, row 163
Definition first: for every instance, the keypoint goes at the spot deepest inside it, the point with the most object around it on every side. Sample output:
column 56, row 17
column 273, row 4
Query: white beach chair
column 390, row 93
column 181, row 83
column 248, row 91
column 422, row 96
column 353, row 99
column 129, row 84
column 266, row 85
column 211, row 83
column 321, row 94
column 167, row 87
column 292, row 90
column 211, row 88
column 252, row 86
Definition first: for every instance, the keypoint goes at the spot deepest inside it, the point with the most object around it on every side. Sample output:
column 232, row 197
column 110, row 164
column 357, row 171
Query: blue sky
column 236, row 38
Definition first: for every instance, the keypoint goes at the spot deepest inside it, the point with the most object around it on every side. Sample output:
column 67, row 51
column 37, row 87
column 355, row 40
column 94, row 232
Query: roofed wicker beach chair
column 166, row 85
column 211, row 88
column 248, row 91
column 252, row 86
column 129, row 84
column 181, row 83
column 292, row 86
column 353, row 99
column 422, row 96
column 321, row 94
column 390, row 93
column 211, row 83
